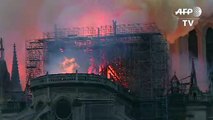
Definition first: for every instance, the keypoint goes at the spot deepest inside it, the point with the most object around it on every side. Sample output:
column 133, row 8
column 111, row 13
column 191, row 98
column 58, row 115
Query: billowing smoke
column 69, row 65
column 25, row 19
column 162, row 13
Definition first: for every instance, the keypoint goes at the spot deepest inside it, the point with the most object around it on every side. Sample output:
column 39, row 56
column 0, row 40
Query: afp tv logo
column 188, row 15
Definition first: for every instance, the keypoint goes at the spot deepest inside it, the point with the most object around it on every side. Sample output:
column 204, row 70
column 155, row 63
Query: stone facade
column 75, row 98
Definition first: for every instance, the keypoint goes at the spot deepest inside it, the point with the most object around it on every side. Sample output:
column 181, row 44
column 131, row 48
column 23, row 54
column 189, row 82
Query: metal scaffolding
column 139, row 61
column 35, row 57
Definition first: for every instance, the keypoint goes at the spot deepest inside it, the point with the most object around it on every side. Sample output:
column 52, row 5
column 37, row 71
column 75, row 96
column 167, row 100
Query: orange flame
column 92, row 67
column 69, row 65
column 111, row 73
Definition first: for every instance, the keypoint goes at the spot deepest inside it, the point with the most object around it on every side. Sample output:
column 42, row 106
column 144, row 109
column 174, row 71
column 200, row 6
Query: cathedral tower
column 16, row 86
column 4, row 74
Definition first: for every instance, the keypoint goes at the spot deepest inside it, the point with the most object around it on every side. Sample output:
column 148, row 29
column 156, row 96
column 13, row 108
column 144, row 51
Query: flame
column 69, row 65
column 92, row 68
column 116, row 77
column 111, row 73
column 41, row 15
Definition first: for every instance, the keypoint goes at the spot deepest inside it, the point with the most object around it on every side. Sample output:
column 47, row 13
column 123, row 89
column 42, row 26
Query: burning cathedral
column 113, row 72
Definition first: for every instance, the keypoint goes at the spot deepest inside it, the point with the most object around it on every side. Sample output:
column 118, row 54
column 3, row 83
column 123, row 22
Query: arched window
column 63, row 109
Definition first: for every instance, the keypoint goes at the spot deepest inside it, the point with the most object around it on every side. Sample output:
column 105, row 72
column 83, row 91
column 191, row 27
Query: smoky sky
column 22, row 20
